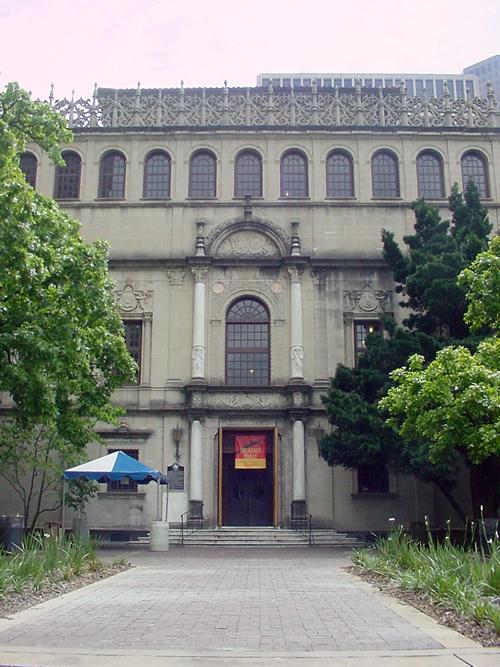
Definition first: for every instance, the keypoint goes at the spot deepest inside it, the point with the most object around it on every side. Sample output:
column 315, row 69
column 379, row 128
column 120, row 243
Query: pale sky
column 117, row 43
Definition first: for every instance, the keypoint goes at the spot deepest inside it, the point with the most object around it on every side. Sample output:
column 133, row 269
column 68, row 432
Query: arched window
column 339, row 175
column 385, row 176
column 67, row 182
column 475, row 169
column 112, row 176
column 248, row 175
column 202, row 175
column 247, row 343
column 157, row 176
column 29, row 164
column 294, row 175
column 430, row 175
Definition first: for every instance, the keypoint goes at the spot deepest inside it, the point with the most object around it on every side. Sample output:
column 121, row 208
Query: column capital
column 199, row 273
column 295, row 274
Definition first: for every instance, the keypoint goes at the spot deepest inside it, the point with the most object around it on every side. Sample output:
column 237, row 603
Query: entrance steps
column 261, row 537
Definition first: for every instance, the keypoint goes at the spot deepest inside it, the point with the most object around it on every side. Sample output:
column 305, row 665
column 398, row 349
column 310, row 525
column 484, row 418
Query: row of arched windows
column 248, row 175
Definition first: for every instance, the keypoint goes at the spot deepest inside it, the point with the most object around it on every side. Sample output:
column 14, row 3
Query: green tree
column 454, row 401
column 62, row 350
column 426, row 275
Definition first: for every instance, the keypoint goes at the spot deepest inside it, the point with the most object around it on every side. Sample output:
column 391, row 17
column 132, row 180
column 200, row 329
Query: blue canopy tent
column 115, row 467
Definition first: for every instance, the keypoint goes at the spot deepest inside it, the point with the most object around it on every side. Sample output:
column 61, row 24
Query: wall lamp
column 319, row 434
column 177, row 432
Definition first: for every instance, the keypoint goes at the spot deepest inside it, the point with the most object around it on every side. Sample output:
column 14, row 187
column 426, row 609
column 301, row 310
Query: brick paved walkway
column 281, row 601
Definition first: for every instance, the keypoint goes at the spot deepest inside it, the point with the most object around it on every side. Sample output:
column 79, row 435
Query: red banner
column 250, row 451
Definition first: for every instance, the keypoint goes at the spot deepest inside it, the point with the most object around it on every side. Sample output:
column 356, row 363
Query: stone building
column 244, row 229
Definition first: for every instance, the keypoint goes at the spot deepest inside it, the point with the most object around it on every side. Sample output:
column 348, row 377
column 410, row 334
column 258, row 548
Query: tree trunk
column 452, row 500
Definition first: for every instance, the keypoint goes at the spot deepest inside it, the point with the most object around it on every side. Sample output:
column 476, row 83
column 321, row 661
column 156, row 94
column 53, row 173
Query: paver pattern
column 228, row 601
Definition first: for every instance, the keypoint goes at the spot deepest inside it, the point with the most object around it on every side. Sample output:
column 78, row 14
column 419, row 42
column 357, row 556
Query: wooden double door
column 247, row 494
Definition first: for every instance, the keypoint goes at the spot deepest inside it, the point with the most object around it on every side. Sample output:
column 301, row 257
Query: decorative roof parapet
column 253, row 107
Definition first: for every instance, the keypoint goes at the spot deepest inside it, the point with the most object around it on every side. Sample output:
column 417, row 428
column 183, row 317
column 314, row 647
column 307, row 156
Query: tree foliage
column 62, row 349
column 426, row 276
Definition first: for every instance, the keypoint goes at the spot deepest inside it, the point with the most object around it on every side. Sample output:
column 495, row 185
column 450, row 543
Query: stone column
column 198, row 350
column 196, row 467
column 296, row 339
column 299, row 464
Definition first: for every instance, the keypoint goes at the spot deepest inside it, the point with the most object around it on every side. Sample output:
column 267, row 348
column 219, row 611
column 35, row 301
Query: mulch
column 487, row 636
column 14, row 602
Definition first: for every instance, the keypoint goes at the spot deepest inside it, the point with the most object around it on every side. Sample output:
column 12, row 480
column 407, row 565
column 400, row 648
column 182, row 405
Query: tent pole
column 63, row 506
column 158, row 502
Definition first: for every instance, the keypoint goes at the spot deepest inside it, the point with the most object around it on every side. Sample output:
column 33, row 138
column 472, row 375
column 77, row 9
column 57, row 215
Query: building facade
column 244, row 230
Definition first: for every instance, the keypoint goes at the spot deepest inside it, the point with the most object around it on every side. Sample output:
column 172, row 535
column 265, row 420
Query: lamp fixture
column 177, row 432
column 319, row 434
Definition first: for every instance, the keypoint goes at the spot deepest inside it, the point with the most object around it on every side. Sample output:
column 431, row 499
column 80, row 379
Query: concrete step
column 257, row 537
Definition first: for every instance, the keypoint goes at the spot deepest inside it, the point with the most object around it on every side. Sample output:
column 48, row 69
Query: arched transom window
column 385, row 175
column 474, row 169
column 294, row 175
column 248, row 175
column 157, row 176
column 202, row 176
column 339, row 175
column 247, row 343
column 430, row 176
column 67, row 182
column 112, row 176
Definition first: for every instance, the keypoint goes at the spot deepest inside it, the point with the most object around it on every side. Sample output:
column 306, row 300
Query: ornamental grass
column 465, row 578
column 45, row 559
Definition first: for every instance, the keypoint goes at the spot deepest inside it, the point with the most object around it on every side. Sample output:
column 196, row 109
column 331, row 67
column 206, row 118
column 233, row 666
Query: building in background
column 459, row 85
column 486, row 71
column 244, row 228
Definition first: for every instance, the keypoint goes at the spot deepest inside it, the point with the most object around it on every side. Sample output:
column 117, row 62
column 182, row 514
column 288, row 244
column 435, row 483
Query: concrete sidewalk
column 232, row 607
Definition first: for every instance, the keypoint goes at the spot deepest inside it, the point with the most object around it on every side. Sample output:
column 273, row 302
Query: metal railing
column 191, row 521
column 301, row 521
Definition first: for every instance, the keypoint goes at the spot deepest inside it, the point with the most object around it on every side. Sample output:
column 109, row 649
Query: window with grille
column 385, row 176
column 430, row 176
column 202, row 176
column 29, row 164
column 474, row 169
column 339, row 175
column 248, row 175
column 67, row 182
column 157, row 176
column 373, row 479
column 294, row 182
column 361, row 331
column 247, row 343
column 112, row 176
column 126, row 484
column 133, row 341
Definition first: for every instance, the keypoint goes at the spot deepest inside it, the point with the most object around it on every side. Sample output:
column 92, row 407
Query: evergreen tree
column 426, row 276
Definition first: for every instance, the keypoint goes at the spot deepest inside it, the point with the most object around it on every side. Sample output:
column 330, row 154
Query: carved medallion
column 247, row 244
column 130, row 298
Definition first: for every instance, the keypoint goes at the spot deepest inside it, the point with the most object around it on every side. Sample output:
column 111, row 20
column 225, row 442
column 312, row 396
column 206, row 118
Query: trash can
column 11, row 532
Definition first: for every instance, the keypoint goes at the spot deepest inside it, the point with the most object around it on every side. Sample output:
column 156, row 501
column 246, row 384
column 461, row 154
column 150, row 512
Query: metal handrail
column 191, row 522
column 302, row 523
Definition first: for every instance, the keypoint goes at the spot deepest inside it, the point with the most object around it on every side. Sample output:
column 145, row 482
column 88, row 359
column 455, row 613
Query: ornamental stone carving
column 368, row 300
column 246, row 400
column 295, row 274
column 246, row 244
column 131, row 299
column 335, row 107
column 198, row 357
column 176, row 277
column 247, row 238
column 200, row 274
